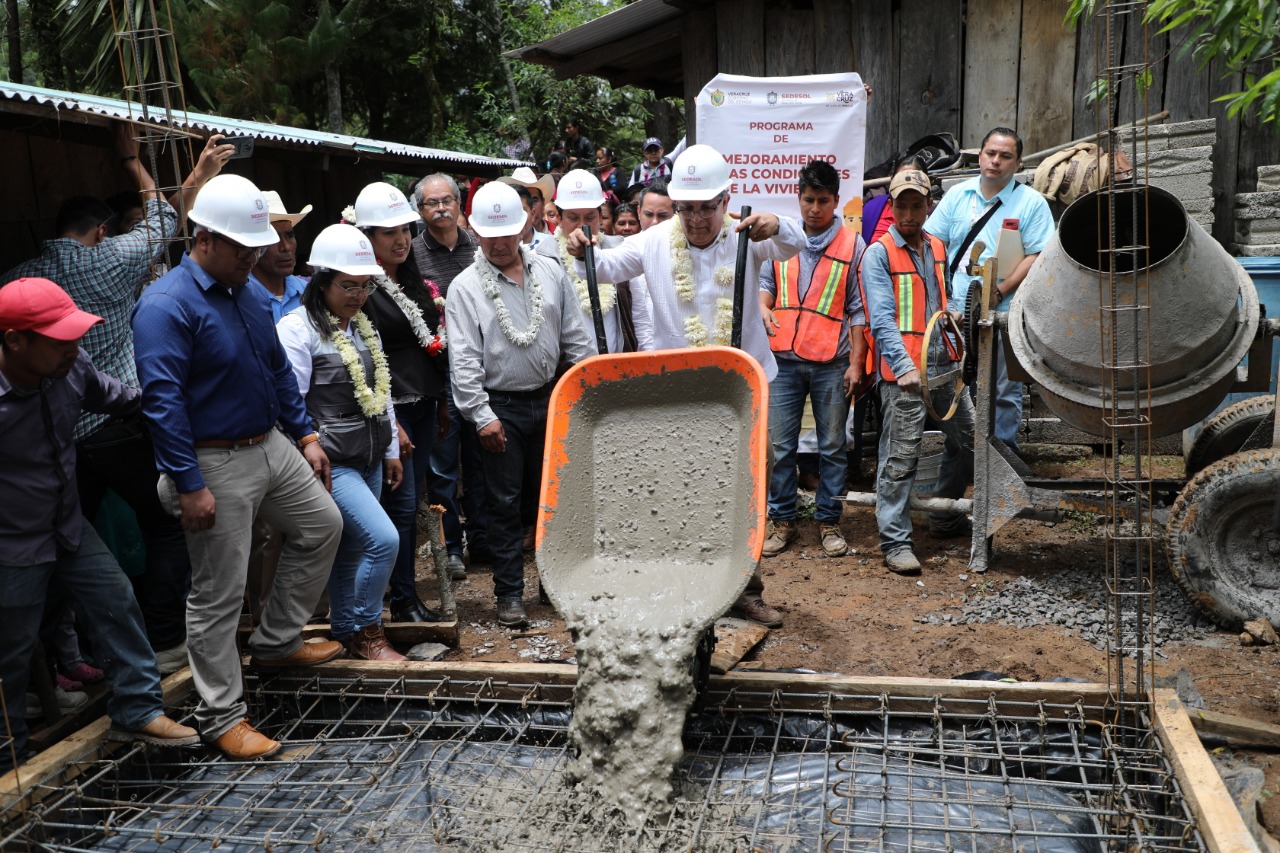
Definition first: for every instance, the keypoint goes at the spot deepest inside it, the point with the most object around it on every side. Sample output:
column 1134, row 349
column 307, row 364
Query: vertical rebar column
column 157, row 104
column 1125, row 327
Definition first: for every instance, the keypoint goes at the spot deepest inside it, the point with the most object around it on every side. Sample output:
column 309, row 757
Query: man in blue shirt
column 956, row 215
column 274, row 271
column 215, row 381
column 46, row 548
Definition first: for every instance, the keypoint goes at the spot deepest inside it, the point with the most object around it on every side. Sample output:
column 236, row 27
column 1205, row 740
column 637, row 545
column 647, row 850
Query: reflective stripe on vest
column 911, row 301
column 812, row 328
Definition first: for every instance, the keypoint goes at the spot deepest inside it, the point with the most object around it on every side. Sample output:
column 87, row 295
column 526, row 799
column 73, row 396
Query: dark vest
column 346, row 435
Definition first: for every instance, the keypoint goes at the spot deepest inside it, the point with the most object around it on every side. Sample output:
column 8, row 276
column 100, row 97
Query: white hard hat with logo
column 496, row 211
column 346, row 249
column 699, row 173
column 579, row 190
column 381, row 205
column 233, row 207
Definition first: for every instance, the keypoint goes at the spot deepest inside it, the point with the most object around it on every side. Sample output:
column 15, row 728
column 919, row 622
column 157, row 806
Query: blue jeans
column 824, row 383
column 94, row 582
column 366, row 553
column 902, row 428
column 524, row 421
column 444, row 482
column 419, row 422
column 1008, row 403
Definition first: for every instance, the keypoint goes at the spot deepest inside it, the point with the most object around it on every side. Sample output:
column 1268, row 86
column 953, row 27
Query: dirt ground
column 850, row 615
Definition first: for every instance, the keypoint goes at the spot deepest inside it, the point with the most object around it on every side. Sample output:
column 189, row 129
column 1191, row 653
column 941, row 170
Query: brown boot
column 370, row 643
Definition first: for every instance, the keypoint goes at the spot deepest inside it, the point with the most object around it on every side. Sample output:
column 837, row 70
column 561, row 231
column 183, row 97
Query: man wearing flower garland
column 812, row 311
column 215, row 381
column 688, row 263
column 513, row 319
column 627, row 323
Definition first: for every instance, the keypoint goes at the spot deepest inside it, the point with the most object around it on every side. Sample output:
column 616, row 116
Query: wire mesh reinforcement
column 440, row 764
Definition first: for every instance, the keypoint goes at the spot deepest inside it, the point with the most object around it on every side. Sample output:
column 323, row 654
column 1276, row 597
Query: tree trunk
column 45, row 26
column 333, row 89
column 13, row 37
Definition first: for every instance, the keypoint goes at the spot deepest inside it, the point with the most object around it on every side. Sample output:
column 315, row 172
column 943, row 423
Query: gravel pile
column 1074, row 598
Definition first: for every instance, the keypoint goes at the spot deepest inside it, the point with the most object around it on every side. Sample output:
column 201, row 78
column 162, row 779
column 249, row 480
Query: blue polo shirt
column 211, row 367
column 964, row 205
column 281, row 305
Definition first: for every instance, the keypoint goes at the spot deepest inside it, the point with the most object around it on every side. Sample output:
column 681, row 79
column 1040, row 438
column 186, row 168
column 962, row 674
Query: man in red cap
column 45, row 384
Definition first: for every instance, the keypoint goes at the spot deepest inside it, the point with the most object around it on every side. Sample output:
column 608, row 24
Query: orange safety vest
column 911, row 301
column 812, row 328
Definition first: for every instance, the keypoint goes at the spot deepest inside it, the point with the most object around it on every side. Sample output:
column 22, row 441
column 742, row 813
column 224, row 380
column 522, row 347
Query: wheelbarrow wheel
column 1227, row 431
column 1223, row 550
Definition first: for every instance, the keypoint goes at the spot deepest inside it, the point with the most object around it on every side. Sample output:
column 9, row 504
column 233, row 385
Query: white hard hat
column 699, row 173
column 381, row 205
column 344, row 248
column 579, row 190
column 233, row 207
column 496, row 211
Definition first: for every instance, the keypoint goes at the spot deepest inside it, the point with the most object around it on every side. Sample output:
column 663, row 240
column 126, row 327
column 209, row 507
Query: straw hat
column 524, row 177
column 277, row 212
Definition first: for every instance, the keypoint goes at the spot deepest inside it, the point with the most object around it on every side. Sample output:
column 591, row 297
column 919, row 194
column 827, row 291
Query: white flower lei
column 695, row 330
column 493, row 289
column 373, row 401
column 426, row 338
column 608, row 293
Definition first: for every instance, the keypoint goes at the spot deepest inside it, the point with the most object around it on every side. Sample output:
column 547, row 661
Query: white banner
column 769, row 128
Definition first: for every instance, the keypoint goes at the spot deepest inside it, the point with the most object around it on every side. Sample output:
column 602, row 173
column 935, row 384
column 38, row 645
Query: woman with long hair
column 342, row 372
column 409, row 314
column 626, row 220
column 607, row 170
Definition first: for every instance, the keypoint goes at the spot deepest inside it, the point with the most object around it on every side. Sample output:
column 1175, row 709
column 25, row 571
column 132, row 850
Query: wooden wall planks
column 990, row 79
column 1045, row 77
column 929, row 69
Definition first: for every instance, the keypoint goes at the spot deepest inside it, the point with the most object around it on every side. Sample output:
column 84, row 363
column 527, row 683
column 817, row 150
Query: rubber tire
column 1222, row 551
column 1227, row 431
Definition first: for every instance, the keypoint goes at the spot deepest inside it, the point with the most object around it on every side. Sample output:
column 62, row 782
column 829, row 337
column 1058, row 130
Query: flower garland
column 695, row 330
column 608, row 293
column 373, row 401
column 433, row 342
column 493, row 289
column 349, row 215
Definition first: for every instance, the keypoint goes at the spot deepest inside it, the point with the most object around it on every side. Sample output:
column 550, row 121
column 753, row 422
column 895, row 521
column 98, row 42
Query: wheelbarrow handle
column 740, row 279
column 593, row 293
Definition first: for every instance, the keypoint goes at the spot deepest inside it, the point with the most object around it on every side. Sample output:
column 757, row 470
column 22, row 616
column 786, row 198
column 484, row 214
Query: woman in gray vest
column 342, row 372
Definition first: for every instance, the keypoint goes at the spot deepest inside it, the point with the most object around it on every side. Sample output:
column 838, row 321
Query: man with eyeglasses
column 215, row 382
column 442, row 251
column 688, row 263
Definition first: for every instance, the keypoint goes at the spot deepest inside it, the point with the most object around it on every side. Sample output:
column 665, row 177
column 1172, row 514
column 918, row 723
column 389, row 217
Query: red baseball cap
column 38, row 305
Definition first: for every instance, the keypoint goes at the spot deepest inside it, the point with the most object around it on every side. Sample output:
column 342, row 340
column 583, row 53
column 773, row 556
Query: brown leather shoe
column 308, row 654
column 758, row 611
column 245, row 743
column 370, row 643
column 162, row 731
column 530, row 538
column 778, row 535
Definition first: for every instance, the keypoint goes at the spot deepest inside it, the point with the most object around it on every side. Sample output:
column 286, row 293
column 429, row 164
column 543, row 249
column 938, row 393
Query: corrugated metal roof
column 337, row 142
column 623, row 23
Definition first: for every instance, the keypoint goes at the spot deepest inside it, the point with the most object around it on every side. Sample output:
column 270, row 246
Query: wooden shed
column 961, row 66
column 54, row 145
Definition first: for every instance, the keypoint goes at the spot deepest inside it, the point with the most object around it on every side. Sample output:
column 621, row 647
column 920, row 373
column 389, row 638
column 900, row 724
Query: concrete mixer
column 1197, row 319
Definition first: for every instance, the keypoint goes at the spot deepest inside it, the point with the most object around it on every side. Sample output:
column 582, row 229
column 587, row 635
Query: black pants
column 508, row 477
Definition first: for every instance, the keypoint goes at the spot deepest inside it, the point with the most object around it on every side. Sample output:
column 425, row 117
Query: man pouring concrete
column 688, row 264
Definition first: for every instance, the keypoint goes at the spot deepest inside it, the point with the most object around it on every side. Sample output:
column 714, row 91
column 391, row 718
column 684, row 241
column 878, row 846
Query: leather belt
column 535, row 394
column 233, row 443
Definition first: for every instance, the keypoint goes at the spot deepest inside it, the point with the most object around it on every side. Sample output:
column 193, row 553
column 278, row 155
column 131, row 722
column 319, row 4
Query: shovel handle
column 593, row 293
column 740, row 279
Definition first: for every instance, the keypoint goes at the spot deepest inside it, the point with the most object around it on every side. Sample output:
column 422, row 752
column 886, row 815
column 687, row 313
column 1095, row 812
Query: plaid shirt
column 105, row 280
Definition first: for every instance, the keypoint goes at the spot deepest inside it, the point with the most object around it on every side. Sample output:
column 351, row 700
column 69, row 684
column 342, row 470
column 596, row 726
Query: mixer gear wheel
column 972, row 314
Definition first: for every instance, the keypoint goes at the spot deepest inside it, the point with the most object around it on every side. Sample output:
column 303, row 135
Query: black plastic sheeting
column 783, row 784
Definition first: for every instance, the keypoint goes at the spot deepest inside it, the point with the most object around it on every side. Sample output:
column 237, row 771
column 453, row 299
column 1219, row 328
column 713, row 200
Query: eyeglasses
column 447, row 201
column 703, row 211
column 358, row 290
column 243, row 253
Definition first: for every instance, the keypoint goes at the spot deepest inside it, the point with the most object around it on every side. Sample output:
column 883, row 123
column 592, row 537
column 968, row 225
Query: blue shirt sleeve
column 1037, row 224
column 854, row 312
column 162, row 344
column 882, row 310
column 767, row 282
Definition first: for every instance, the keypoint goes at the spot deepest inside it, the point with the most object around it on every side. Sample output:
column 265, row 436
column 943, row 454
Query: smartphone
column 243, row 144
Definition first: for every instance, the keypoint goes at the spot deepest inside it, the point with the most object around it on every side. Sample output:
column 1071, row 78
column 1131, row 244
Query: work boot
column 171, row 660
column 530, row 538
column 413, row 610
column 162, row 731
column 245, row 743
column 457, row 569
column 833, row 544
column 902, row 562
column 69, row 701
column 308, row 654
column 778, row 536
column 757, row 610
column 370, row 643
column 511, row 614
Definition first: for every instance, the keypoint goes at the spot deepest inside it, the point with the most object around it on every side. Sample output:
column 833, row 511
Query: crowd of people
column 274, row 424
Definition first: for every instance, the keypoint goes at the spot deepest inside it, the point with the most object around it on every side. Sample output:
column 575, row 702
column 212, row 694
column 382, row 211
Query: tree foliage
column 1243, row 36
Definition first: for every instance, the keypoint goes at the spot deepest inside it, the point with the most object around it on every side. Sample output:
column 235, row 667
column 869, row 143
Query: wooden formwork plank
column 1216, row 813
column 1239, row 731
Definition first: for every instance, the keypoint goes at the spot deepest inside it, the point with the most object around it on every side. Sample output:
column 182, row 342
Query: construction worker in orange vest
column 812, row 311
column 904, row 284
